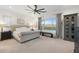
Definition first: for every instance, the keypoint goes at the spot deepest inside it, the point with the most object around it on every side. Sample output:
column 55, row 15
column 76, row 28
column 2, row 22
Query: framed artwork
column 20, row 21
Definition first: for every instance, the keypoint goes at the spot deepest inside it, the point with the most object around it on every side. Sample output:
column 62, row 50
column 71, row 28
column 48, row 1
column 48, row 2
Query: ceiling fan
column 36, row 10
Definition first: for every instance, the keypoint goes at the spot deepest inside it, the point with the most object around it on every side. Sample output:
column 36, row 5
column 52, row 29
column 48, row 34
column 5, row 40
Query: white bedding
column 17, row 33
column 23, row 32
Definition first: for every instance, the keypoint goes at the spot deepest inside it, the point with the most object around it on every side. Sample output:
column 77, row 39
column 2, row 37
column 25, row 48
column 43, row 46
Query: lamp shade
column 1, row 25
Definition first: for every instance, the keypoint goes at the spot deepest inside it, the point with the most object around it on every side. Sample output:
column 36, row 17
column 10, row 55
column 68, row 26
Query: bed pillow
column 22, row 29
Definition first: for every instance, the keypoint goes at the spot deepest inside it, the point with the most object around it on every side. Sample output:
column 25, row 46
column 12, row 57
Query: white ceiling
column 51, row 9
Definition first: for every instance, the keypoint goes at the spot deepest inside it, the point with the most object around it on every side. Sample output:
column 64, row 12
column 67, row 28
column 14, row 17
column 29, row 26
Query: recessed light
column 10, row 6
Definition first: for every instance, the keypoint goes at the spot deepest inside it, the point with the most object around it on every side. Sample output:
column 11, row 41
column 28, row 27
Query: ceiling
column 51, row 9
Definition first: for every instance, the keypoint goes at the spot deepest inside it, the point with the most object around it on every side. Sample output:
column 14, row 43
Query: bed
column 22, row 33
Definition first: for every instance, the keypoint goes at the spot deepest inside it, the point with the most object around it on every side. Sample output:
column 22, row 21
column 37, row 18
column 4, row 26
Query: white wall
column 7, row 17
column 11, row 17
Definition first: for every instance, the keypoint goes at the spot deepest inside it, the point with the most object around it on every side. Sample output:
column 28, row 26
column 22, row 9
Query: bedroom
column 15, row 19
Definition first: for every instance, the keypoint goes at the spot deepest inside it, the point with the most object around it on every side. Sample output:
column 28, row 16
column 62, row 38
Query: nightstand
column 6, row 35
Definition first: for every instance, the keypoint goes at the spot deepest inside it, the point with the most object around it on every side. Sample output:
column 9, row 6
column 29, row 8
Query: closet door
column 73, row 26
column 69, row 26
column 66, row 27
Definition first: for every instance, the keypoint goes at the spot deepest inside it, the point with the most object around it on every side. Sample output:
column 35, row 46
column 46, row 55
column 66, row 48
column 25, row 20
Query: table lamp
column 2, row 24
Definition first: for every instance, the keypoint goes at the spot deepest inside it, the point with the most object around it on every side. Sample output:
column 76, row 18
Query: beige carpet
column 39, row 45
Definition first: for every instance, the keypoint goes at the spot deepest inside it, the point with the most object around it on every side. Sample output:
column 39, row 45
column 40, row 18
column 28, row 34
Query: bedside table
column 6, row 35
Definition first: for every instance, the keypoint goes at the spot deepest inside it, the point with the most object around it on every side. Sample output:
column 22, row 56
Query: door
column 69, row 27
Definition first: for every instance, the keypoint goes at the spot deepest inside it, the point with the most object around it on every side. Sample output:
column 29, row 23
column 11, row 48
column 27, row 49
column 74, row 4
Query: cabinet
column 70, row 24
column 6, row 35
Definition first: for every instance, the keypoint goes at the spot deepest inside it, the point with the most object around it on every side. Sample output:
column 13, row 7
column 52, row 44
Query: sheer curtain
column 7, row 20
column 59, row 26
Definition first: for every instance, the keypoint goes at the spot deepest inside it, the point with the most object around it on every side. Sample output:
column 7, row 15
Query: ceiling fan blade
column 30, row 7
column 38, row 12
column 42, row 9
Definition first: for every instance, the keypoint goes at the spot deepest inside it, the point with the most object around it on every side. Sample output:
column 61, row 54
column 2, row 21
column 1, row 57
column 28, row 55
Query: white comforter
column 27, row 35
column 22, row 34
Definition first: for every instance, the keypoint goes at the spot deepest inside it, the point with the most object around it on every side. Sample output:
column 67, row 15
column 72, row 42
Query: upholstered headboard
column 13, row 27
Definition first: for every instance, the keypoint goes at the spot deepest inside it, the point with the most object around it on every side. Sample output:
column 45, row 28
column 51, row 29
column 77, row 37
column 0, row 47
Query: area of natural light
column 49, row 25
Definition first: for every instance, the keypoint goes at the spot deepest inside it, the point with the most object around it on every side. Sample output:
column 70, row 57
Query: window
column 7, row 20
column 49, row 25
